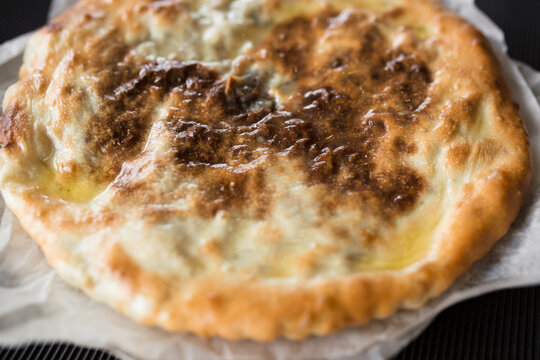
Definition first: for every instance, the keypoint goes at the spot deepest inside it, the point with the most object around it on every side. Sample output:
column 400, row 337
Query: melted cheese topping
column 271, row 139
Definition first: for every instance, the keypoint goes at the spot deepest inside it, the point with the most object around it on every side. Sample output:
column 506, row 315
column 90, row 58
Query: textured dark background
column 500, row 325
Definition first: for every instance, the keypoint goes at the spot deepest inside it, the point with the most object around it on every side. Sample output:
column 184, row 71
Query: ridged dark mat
column 501, row 325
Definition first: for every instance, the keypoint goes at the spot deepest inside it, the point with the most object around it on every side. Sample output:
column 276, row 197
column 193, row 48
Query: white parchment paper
column 35, row 305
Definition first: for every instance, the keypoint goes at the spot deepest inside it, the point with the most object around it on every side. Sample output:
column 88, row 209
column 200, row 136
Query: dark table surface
column 500, row 325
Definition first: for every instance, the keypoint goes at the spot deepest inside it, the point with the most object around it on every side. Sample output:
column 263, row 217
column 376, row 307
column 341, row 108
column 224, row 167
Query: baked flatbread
column 261, row 168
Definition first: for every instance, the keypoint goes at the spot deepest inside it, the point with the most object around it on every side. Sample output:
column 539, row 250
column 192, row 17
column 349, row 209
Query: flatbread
column 262, row 168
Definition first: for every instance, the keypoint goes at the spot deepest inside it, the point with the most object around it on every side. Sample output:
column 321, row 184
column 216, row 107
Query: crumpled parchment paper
column 36, row 305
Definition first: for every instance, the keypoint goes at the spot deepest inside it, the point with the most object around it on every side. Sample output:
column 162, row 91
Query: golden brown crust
column 183, row 192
